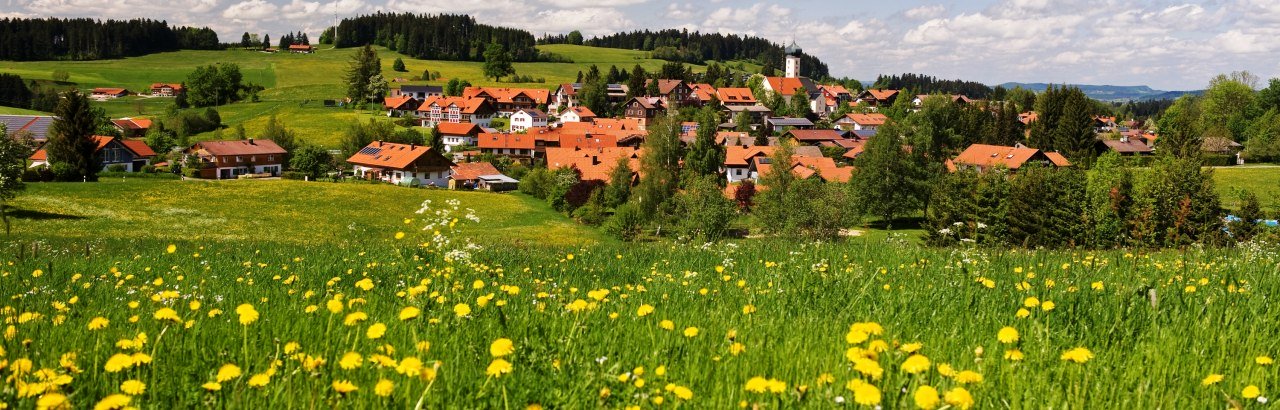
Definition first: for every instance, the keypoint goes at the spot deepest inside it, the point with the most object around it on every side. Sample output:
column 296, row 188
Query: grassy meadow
column 167, row 294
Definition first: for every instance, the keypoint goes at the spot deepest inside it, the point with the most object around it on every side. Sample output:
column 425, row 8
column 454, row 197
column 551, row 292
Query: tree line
column 88, row 39
column 697, row 48
column 435, row 37
column 925, row 84
column 1233, row 108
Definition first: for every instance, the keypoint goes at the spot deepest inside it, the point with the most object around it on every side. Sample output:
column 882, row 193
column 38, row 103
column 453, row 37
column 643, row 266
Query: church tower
column 793, row 60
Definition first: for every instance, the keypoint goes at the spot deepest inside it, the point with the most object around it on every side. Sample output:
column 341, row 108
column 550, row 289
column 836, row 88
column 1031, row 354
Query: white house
column 456, row 134
column 527, row 118
column 402, row 164
column 577, row 114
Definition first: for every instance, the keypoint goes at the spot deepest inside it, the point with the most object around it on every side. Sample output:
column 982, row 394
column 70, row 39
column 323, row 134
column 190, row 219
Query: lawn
column 1261, row 180
column 278, row 211
column 177, row 294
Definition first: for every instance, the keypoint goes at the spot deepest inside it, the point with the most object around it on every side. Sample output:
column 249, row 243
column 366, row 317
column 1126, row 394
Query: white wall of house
column 452, row 141
column 737, row 174
column 396, row 176
column 521, row 121
column 570, row 116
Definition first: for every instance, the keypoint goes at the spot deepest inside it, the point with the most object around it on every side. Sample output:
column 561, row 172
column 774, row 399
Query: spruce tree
column 72, row 151
column 705, row 156
column 619, row 189
column 364, row 65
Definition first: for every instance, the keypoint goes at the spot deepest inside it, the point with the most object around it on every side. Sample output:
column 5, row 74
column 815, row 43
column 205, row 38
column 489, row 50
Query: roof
column 390, row 155
column 789, row 122
column 466, row 105
column 583, row 111
column 807, row 167
column 736, row 95
column 396, row 103
column 503, row 140
column 666, row 86
column 299, row 47
column 873, row 119
column 473, row 170
column 589, row 141
column 749, row 109
column 1028, row 117
column 879, row 95
column 241, row 147
column 987, row 156
column 834, row 89
column 650, row 103
column 37, row 125
column 704, row 92
column 814, row 135
column 458, row 128
column 429, row 89
column 170, row 85
column 1127, row 145
column 533, row 112
column 789, row 85
column 102, row 90
column 507, row 95
column 138, row 148
column 593, row 164
column 738, row 156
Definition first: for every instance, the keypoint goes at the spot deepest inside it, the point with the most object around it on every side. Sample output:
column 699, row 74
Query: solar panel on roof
column 370, row 151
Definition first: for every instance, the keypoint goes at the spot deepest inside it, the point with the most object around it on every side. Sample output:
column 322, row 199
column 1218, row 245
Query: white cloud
column 925, row 12
column 250, row 10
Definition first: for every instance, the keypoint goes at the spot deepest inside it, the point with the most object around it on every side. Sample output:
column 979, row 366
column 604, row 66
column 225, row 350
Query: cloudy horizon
column 1168, row 45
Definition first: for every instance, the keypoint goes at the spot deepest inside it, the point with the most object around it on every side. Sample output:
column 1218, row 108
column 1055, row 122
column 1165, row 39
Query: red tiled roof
column 175, row 87
column 240, row 147
column 507, row 95
column 868, row 119
column 987, row 156
column 589, row 141
column 299, row 47
column 465, row 105
column 503, row 140
column 111, row 91
column 458, row 128
column 736, row 95
column 814, row 135
column 395, row 103
column 594, row 164
column 583, row 111
column 473, row 170
column 880, row 95
column 139, row 148
column 786, row 85
column 389, row 155
column 132, row 123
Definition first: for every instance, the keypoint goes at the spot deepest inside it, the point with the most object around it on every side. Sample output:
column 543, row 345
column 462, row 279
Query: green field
column 1261, row 180
column 146, row 291
column 298, row 83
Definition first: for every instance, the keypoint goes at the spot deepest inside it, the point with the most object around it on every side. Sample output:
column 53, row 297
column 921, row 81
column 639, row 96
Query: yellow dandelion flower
column 757, row 385
column 1251, row 392
column 350, row 360
column 1262, row 360
column 866, row 394
column 501, row 347
column 911, row 347
column 748, row 309
column 259, row 380
column 1098, row 286
column 118, row 362
column 1007, row 335
column 1031, row 301
column 113, row 402
column 354, row 317
column 644, row 310
column 384, row 388
column 399, row 235
column 227, row 372
column 737, row 348
column 946, row 370
column 915, row 364
column 212, row 386
column 667, row 325
column 98, row 323
column 376, row 331
column 167, row 314
column 409, row 366
column 968, row 377
column 461, row 309
column 247, row 313
column 926, row 398
column 1078, row 355
column 691, row 331
column 171, row 249
column 1022, row 313
column 498, row 367
column 133, row 387
column 869, row 368
column 409, row 312
column 1013, row 355
column 959, row 398
column 334, row 305
column 53, row 401
column 344, row 386
column 683, row 393
column 1047, row 305
column 1211, row 379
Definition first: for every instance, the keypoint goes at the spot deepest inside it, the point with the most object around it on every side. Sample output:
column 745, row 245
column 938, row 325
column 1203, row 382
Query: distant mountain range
column 1113, row 92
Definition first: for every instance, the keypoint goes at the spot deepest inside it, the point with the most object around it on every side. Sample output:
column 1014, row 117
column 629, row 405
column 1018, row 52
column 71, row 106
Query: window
column 271, row 157
column 239, row 159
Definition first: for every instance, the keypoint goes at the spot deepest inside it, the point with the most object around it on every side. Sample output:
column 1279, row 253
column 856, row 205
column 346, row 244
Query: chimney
column 1124, row 138
column 412, row 146
column 251, row 141
column 379, row 143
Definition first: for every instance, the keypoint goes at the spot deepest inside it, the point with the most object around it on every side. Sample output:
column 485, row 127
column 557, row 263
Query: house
column 519, row 146
column 402, row 164
column 876, row 98
column 480, row 175
column 1220, row 146
column 1028, row 117
column 578, row 113
column 593, row 164
column 1104, row 123
column 833, row 96
column 736, row 97
column 301, row 48
column 132, row 127
column 757, row 113
column 508, row 100
column 984, row 157
column 779, row 123
column 108, row 93
column 703, row 93
column 455, row 135
column 35, row 126
column 741, row 139
column 1125, row 146
column 738, row 159
column 644, row 109
column 130, row 154
column 400, row 105
column 789, row 88
column 856, row 122
column 166, row 90
column 418, row 92
column 673, row 92
column 566, row 95
column 437, row 110
column 813, row 137
column 230, row 159
column 526, row 118
column 804, row 167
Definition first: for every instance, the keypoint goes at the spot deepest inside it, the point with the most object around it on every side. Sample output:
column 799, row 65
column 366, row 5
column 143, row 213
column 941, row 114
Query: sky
column 1168, row 45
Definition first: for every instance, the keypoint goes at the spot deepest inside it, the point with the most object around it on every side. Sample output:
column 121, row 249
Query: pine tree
column 13, row 161
column 398, row 65
column 619, row 189
column 705, row 156
column 266, row 41
column 72, row 152
column 364, row 65
column 437, row 140
column 660, row 166
column 762, row 136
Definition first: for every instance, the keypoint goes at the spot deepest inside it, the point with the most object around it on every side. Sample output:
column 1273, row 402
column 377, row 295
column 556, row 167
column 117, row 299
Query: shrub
column 116, row 168
column 294, row 175
column 626, row 222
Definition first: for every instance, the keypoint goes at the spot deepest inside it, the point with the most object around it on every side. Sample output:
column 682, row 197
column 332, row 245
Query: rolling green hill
column 297, row 83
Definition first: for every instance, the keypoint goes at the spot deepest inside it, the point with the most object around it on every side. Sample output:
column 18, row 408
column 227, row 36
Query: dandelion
column 409, row 366
column 1211, row 379
column 1251, row 392
column 167, row 314
column 926, row 397
column 376, row 331
column 171, row 249
column 98, row 323
column 691, row 331
column 959, row 398
column 869, row 368
column 748, row 309
column 1022, row 313
column 344, row 387
column 1097, row 286
column 1078, row 355
column 118, row 362
column 259, row 380
column 498, row 367
column 133, row 387
column 227, row 372
column 968, row 377
column 501, row 347
column 911, row 347
column 1031, row 301
column 334, row 305
column 737, row 348
column 399, row 235
column 1262, row 360
column 409, row 312
column 667, row 325
column 384, row 388
column 1047, row 305
column 915, row 364
column 53, row 401
column 350, row 360
column 365, row 284
column 683, row 393
column 247, row 313
column 114, row 401
column 212, row 386
column 461, row 309
column 1007, row 335
column 757, row 385
column 1013, row 355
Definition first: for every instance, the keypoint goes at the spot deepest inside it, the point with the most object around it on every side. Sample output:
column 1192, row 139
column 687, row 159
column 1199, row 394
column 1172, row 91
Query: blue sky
column 1170, row 45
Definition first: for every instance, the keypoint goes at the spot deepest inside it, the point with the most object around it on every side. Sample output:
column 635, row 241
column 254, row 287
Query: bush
column 39, row 174
column 117, row 168
column 626, row 222
column 294, row 175
column 143, row 175
column 148, row 169
column 1219, row 160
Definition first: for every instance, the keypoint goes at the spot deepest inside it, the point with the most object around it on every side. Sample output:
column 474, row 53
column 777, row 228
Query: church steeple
column 793, row 60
